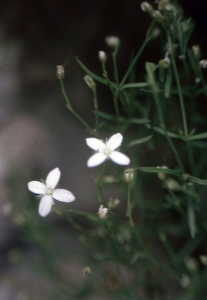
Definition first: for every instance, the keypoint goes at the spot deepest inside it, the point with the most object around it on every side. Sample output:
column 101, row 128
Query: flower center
column 107, row 151
column 49, row 192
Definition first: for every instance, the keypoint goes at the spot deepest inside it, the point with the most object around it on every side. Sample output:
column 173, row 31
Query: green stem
column 155, row 91
column 155, row 261
column 116, row 107
column 70, row 220
column 178, row 207
column 191, row 158
column 104, row 69
column 115, row 67
column 99, row 183
column 72, row 111
column 95, row 102
column 129, row 204
column 83, row 213
column 136, row 57
column 179, row 89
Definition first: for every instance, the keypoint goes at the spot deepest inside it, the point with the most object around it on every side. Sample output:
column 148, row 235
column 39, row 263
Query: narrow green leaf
column 139, row 141
column 199, row 144
column 106, row 116
column 197, row 180
column 191, row 221
column 198, row 136
column 110, row 117
column 168, row 83
column 200, row 91
column 161, row 74
column 96, row 77
column 137, row 120
column 135, row 85
column 192, row 132
column 188, row 192
column 158, row 170
column 150, row 67
column 170, row 134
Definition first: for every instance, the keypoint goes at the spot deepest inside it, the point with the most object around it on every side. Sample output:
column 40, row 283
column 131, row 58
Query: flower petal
column 37, row 187
column 96, row 159
column 119, row 158
column 95, row 144
column 114, row 142
column 45, row 205
column 53, row 178
column 63, row 195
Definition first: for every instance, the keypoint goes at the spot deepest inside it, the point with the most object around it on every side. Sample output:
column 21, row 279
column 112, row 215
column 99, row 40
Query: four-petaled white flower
column 48, row 192
column 106, row 150
column 102, row 212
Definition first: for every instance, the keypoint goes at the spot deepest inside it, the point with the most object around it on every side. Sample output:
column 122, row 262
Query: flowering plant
column 159, row 227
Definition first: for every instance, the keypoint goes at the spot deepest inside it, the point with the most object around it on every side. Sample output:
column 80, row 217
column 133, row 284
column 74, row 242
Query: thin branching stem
column 73, row 112
column 179, row 89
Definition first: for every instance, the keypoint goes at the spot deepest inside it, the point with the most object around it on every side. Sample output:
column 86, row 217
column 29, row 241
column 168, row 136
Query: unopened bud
column 162, row 175
column 102, row 56
column 164, row 63
column 185, row 26
column 203, row 259
column 165, row 5
column 156, row 14
column 112, row 41
column 196, row 51
column 86, row 271
column 172, row 184
column 60, row 72
column 191, row 264
column 185, row 176
column 155, row 32
column 197, row 79
column 90, row 82
column 129, row 175
column 185, row 281
column 146, row 6
column 203, row 63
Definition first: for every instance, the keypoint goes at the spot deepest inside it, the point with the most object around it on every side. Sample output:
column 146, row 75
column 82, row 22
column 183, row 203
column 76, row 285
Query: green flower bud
column 172, row 184
column 185, row 281
column 86, row 271
column 145, row 6
column 60, row 72
column 129, row 175
column 165, row 5
column 112, row 41
column 156, row 14
column 90, row 82
column 161, row 175
column 203, row 259
column 196, row 51
column 164, row 63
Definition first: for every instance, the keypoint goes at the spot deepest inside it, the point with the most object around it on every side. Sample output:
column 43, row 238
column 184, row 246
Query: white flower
column 106, row 150
column 102, row 212
column 48, row 192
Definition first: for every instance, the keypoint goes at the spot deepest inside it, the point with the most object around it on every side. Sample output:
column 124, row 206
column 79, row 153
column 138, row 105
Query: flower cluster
column 47, row 190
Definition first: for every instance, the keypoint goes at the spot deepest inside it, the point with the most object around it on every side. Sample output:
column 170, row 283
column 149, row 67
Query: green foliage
column 160, row 239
